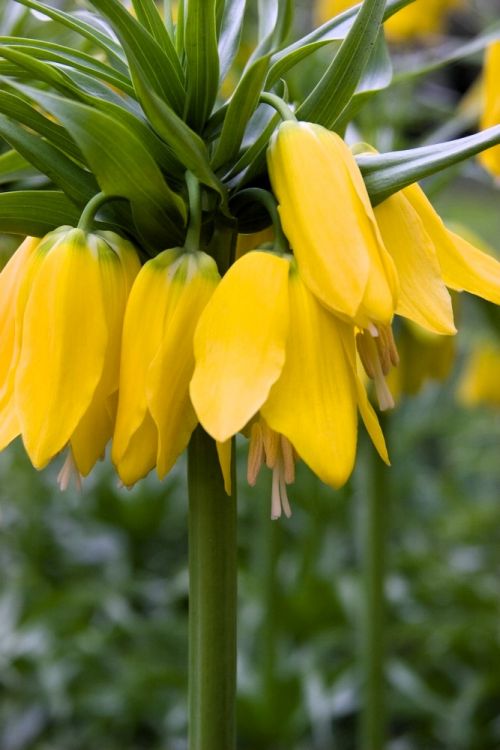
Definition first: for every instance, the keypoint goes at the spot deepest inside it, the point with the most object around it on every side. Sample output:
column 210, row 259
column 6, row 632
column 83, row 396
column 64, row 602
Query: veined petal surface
column 423, row 294
column 239, row 344
column 314, row 402
column 65, row 334
column 463, row 266
column 167, row 384
column 143, row 328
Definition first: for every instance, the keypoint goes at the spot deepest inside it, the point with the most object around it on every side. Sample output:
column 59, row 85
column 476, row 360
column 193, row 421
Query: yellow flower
column 264, row 344
column 490, row 159
column 155, row 416
column 327, row 216
column 418, row 19
column 480, row 382
column 62, row 318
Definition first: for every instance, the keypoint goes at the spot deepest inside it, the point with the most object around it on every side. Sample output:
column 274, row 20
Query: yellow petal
column 463, row 266
column 224, row 451
column 11, row 279
column 423, row 295
column 239, row 344
column 142, row 336
column 490, row 159
column 91, row 435
column 139, row 455
column 167, row 385
column 326, row 215
column 64, row 341
column 314, row 402
column 480, row 383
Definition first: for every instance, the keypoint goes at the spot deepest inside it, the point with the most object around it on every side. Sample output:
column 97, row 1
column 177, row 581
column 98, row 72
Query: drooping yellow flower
column 62, row 319
column 264, row 344
column 420, row 18
column 327, row 216
column 490, row 159
column 155, row 417
column 480, row 382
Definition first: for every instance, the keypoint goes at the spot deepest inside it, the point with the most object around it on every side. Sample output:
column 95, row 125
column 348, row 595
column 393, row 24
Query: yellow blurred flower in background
column 420, row 18
column 490, row 159
column 480, row 381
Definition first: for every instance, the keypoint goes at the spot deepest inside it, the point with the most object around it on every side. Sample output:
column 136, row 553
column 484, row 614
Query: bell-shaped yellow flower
column 67, row 294
column 327, row 216
column 490, row 159
column 265, row 344
column 155, row 416
column 480, row 382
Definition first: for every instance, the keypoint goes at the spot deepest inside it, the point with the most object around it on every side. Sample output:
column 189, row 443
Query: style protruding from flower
column 155, row 417
column 63, row 300
column 265, row 348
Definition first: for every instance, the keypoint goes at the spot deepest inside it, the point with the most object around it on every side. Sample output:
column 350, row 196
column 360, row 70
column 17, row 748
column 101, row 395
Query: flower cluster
column 93, row 347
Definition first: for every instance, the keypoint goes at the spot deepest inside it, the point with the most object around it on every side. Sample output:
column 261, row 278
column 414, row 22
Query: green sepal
column 385, row 174
column 35, row 212
column 202, row 61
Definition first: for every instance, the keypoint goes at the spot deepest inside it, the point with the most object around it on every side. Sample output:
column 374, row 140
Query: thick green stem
column 192, row 241
column 88, row 214
column 373, row 541
column 212, row 601
column 279, row 105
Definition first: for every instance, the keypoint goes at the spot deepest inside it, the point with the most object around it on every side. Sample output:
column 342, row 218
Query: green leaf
column 148, row 15
column 385, row 174
column 71, row 21
column 39, row 70
column 19, row 110
column 333, row 30
column 48, row 51
column 160, row 67
column 35, row 212
column 336, row 87
column 123, row 166
column 274, row 26
column 377, row 76
column 241, row 106
column 13, row 167
column 78, row 185
column 202, row 61
column 189, row 148
column 230, row 34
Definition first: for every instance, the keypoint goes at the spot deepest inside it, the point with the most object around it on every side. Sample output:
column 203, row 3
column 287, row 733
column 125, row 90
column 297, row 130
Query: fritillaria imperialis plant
column 129, row 314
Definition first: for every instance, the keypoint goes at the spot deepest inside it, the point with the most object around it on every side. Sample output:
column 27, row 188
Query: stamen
column 275, row 496
column 68, row 472
column 288, row 460
column 255, row 454
column 271, row 444
column 284, row 498
column 378, row 356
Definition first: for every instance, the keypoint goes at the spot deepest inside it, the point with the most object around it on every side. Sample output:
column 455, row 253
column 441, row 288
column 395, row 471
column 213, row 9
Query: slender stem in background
column 373, row 544
column 212, row 600
column 192, row 241
column 281, row 244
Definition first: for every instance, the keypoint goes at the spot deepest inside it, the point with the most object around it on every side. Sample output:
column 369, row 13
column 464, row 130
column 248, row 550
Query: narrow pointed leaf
column 242, row 105
column 78, row 184
column 123, row 166
column 13, row 167
column 187, row 145
column 87, row 30
column 230, row 34
column 148, row 15
column 335, row 89
column 202, row 61
column 35, row 212
column 161, row 67
column 385, row 174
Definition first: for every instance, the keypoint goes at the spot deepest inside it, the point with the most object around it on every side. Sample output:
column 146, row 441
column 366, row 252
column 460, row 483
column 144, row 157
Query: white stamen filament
column 68, row 472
